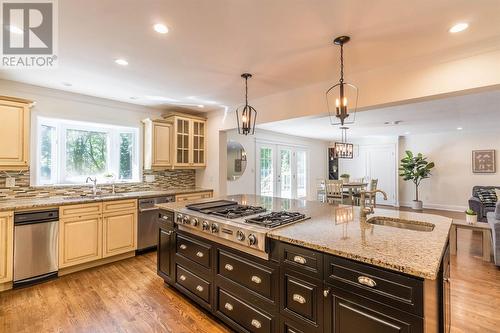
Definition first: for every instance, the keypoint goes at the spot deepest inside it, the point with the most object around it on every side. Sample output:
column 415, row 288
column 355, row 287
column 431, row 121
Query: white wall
column 317, row 166
column 452, row 179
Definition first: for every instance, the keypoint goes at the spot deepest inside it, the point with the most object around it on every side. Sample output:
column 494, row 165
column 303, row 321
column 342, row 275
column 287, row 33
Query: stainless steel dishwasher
column 35, row 246
column 147, row 226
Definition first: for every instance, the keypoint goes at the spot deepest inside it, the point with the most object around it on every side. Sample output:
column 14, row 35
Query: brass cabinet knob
column 299, row 298
column 228, row 267
column 256, row 279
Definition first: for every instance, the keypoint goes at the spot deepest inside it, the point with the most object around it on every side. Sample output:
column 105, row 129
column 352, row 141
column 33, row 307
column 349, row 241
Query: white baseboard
column 453, row 208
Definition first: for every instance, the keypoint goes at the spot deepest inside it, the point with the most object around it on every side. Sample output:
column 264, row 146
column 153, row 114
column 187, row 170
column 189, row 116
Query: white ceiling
column 285, row 43
column 474, row 112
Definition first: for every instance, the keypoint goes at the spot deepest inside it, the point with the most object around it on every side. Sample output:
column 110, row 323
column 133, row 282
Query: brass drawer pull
column 256, row 279
column 199, row 288
column 199, row 254
column 228, row 306
column 228, row 267
column 183, row 247
column 182, row 278
column 326, row 292
column 364, row 280
column 300, row 260
column 299, row 299
column 256, row 323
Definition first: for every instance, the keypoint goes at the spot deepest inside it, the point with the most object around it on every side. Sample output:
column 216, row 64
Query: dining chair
column 321, row 189
column 372, row 198
column 334, row 191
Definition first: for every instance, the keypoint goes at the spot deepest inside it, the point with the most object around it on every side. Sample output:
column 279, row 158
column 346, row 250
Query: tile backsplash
column 164, row 179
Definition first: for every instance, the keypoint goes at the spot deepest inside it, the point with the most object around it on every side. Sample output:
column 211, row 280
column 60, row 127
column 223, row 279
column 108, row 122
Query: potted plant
column 470, row 216
column 415, row 168
column 345, row 177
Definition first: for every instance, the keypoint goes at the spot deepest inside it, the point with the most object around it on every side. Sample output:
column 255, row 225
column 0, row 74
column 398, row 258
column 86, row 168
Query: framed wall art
column 483, row 161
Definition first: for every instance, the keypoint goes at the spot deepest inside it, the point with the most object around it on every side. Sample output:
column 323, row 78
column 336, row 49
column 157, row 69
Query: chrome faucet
column 364, row 211
column 94, row 184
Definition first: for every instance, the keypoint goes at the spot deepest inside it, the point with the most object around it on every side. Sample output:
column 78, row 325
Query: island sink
column 402, row 224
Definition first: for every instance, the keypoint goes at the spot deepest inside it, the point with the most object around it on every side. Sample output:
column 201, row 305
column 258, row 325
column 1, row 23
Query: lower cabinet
column 193, row 196
column 80, row 240
column 349, row 313
column 119, row 233
column 6, row 246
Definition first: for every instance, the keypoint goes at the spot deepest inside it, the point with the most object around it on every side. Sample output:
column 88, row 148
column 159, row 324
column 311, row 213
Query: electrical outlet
column 150, row 178
column 10, row 182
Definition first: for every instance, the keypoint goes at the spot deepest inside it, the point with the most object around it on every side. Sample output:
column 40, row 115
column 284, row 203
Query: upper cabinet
column 15, row 127
column 177, row 141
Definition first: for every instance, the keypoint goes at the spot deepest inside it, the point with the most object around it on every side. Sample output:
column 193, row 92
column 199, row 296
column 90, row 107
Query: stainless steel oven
column 147, row 226
column 35, row 246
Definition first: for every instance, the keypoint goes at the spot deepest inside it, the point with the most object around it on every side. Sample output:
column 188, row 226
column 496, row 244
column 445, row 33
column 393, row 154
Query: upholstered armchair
column 476, row 205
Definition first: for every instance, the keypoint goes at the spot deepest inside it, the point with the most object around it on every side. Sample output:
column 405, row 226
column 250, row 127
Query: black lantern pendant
column 343, row 95
column 248, row 113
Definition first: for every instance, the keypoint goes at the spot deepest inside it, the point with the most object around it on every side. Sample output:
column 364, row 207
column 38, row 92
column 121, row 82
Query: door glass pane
column 266, row 172
column 185, row 158
column 202, row 156
column 301, row 174
column 180, row 127
column 286, row 173
column 202, row 129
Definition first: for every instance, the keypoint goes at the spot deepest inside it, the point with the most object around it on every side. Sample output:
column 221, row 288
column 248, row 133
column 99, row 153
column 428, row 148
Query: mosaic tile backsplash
column 164, row 180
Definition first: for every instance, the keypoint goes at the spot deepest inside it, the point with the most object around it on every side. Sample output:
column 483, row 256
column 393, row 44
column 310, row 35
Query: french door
column 282, row 171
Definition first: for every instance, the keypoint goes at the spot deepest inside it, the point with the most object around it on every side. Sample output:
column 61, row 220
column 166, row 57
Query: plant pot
column 345, row 180
column 417, row 205
column 471, row 219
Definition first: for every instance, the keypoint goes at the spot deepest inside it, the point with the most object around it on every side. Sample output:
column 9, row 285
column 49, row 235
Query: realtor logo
column 29, row 34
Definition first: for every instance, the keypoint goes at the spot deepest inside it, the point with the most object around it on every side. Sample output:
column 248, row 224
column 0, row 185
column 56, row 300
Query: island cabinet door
column 166, row 249
column 80, row 240
column 119, row 233
column 348, row 313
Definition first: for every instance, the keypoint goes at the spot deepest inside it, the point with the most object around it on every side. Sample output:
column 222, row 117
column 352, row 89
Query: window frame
column 59, row 154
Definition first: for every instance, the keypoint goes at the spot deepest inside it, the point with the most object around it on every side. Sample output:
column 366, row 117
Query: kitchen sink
column 402, row 224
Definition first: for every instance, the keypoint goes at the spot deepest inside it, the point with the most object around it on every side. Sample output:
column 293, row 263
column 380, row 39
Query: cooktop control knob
column 185, row 220
column 205, row 225
column 252, row 240
column 215, row 228
column 179, row 218
column 240, row 235
column 194, row 222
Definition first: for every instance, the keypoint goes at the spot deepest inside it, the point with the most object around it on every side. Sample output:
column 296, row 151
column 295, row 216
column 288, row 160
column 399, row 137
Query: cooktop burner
column 276, row 219
column 236, row 211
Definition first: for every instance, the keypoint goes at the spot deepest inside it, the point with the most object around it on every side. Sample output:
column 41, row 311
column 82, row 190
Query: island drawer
column 250, row 318
column 394, row 289
column 193, row 283
column 303, row 260
column 301, row 298
column 253, row 276
column 194, row 250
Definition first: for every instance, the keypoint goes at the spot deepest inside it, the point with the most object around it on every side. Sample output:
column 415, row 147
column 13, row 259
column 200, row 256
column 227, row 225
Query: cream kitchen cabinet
column 193, row 196
column 15, row 128
column 157, row 144
column 119, row 227
column 89, row 232
column 189, row 140
column 6, row 246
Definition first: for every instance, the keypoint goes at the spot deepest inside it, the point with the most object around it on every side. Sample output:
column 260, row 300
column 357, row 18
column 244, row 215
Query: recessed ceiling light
column 459, row 128
column 160, row 28
column 15, row 30
column 67, row 84
column 459, row 27
column 134, row 97
column 121, row 62
column 200, row 106
column 407, row 133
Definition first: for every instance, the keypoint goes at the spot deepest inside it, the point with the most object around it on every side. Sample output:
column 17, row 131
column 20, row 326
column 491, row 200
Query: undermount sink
column 402, row 224
column 99, row 196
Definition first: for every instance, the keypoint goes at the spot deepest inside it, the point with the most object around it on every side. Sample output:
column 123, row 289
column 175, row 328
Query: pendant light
column 248, row 112
column 344, row 149
column 343, row 95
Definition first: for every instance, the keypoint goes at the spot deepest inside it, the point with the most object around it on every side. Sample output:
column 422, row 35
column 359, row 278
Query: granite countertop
column 30, row 203
column 338, row 230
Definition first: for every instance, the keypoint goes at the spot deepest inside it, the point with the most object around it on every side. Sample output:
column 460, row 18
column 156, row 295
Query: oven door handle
column 142, row 210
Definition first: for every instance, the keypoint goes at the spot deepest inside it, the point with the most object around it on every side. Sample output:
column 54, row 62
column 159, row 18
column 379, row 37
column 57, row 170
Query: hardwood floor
column 128, row 296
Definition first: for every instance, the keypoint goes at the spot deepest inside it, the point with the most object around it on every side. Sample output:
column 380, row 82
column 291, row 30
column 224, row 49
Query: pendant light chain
column 341, row 63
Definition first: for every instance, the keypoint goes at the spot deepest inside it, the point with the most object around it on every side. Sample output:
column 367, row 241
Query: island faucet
column 364, row 211
column 94, row 184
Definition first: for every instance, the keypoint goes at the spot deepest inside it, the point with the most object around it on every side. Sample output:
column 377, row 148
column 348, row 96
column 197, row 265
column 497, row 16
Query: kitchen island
column 330, row 272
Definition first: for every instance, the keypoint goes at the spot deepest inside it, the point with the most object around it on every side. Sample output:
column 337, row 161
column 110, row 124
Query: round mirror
column 236, row 160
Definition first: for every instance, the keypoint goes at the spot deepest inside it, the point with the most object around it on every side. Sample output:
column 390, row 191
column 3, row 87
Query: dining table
column 354, row 187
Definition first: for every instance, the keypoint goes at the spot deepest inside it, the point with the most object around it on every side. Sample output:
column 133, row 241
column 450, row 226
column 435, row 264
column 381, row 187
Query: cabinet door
column 14, row 126
column 182, row 141
column 119, row 233
column 162, row 152
column 166, row 250
column 199, row 143
column 80, row 240
column 352, row 313
column 6, row 246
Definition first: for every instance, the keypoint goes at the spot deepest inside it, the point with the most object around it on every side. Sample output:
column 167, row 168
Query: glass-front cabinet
column 181, row 144
column 198, row 143
column 189, row 141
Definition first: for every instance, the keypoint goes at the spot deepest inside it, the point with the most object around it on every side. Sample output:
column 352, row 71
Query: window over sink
column 67, row 152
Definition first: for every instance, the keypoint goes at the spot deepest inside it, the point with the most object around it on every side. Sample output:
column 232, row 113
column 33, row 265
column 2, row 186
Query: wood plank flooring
column 128, row 296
